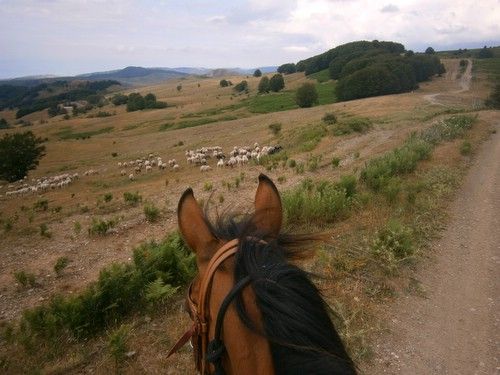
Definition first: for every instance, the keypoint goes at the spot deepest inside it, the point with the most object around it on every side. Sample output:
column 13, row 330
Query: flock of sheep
column 43, row 184
column 236, row 157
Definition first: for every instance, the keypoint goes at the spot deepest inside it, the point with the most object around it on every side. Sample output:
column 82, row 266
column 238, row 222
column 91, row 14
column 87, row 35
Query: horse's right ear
column 192, row 223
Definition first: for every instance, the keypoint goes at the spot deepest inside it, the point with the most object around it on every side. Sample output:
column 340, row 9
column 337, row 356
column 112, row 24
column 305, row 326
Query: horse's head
column 254, row 312
column 215, row 281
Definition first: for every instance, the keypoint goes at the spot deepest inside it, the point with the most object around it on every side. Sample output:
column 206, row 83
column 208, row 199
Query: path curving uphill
column 456, row 329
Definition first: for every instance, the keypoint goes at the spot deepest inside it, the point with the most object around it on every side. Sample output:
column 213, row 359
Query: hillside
column 352, row 170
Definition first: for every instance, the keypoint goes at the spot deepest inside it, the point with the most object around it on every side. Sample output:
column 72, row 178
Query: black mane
column 295, row 317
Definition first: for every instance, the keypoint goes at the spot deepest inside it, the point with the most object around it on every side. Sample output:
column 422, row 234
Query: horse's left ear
column 192, row 224
column 268, row 210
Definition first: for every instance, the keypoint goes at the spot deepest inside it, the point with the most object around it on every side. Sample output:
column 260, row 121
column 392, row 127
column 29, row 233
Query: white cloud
column 89, row 35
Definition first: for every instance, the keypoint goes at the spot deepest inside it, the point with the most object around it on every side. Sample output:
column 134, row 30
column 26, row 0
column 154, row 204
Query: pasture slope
column 355, row 282
column 454, row 329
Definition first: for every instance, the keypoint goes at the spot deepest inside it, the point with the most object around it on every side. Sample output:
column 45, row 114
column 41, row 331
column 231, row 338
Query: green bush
column 378, row 171
column 108, row 197
column 119, row 290
column 493, row 100
column 157, row 291
column 132, row 198
column 348, row 183
column 117, row 343
column 25, row 278
column 101, row 226
column 393, row 243
column 355, row 124
column 306, row 95
column 275, row 128
column 329, row 118
column 151, row 212
column 44, row 231
column 465, row 148
column 264, row 85
column 240, row 87
column 276, row 83
column 61, row 264
column 320, row 202
column 335, row 162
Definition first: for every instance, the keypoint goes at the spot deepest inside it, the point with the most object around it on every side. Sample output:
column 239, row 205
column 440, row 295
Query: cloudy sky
column 79, row 36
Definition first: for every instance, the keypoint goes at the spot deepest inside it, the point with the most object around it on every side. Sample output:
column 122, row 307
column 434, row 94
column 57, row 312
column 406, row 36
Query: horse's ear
column 192, row 224
column 268, row 209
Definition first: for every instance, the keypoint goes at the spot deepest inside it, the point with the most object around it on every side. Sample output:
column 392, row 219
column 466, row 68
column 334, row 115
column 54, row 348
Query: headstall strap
column 200, row 326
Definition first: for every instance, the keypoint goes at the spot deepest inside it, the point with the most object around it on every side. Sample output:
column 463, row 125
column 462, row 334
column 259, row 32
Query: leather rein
column 204, row 350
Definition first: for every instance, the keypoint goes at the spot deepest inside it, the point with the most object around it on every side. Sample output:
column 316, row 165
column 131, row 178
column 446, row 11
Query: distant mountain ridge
column 137, row 75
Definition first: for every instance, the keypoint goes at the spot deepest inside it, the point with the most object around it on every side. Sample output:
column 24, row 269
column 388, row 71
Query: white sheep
column 131, row 177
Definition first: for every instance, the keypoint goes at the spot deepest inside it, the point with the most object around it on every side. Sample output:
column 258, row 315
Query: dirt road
column 455, row 329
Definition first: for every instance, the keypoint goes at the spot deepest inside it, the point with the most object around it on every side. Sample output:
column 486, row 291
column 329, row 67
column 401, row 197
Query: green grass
column 490, row 66
column 308, row 137
column 319, row 202
column 273, row 102
column 67, row 133
column 321, row 76
column 326, row 93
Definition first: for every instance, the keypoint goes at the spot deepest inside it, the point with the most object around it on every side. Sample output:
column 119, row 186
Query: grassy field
column 377, row 182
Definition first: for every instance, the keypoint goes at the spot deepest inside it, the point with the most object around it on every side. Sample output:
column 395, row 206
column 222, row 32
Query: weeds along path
column 455, row 329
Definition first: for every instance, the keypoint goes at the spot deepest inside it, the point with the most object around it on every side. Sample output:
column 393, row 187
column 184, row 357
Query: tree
column 430, row 51
column 119, row 99
column 494, row 99
column 223, row 83
column 287, row 68
column 264, row 85
column 276, row 83
column 485, row 53
column 150, row 101
column 257, row 73
column 19, row 153
column 135, row 102
column 4, row 124
column 409, row 53
column 179, row 88
column 242, row 86
column 306, row 95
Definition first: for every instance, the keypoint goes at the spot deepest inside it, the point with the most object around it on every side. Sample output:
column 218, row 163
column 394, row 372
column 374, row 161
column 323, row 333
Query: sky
column 68, row 37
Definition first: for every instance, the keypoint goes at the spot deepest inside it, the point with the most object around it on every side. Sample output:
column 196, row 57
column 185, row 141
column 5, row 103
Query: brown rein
column 199, row 330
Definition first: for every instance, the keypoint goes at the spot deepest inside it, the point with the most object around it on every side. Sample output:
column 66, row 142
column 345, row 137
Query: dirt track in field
column 454, row 327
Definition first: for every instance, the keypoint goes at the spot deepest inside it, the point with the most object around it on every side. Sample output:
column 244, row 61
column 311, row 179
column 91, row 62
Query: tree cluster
column 276, row 83
column 225, row 83
column 385, row 74
column 485, row 53
column 288, row 68
column 29, row 99
column 19, row 153
column 340, row 55
column 137, row 102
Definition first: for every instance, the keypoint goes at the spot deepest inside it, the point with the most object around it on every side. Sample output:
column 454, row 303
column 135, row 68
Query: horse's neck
column 248, row 353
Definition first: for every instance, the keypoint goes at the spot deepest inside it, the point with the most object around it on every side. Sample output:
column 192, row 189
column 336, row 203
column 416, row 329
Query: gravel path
column 454, row 329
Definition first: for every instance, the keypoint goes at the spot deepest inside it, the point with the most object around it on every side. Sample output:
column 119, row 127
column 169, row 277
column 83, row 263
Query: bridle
column 204, row 350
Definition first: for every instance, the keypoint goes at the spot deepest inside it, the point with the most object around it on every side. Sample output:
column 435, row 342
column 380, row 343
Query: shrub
column 264, row 85
column 114, row 154
column 391, row 189
column 208, row 186
column 348, row 184
column 41, row 205
column 465, row 148
column 25, row 278
column 288, row 68
column 393, row 243
column 355, row 124
column 292, row 163
column 257, row 73
column 44, row 231
column 108, row 197
column 223, row 83
column 101, row 226
column 4, row 124
column 242, row 86
column 119, row 290
column 117, row 343
column 493, row 100
column 306, row 95
column 151, row 212
column 329, row 118
column 321, row 202
column 132, row 198
column 335, row 162
column 275, row 128
column 77, row 227
column 157, row 291
column 61, row 264
column 276, row 83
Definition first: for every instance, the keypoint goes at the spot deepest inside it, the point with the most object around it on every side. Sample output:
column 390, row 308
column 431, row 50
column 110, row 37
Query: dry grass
column 136, row 134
